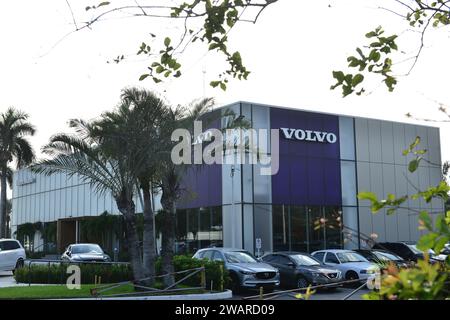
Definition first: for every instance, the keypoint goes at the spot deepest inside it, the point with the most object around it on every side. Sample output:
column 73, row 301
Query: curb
column 227, row 294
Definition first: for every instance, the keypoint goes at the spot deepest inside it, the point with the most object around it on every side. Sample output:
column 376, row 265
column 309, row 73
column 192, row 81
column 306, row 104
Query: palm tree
column 14, row 147
column 171, row 177
column 170, row 182
column 84, row 154
column 140, row 113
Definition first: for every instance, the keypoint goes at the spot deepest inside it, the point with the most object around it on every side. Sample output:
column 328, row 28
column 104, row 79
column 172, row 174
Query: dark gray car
column 85, row 252
column 299, row 270
column 245, row 271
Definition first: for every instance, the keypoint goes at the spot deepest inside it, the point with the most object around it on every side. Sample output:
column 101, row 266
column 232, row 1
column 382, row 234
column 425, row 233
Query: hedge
column 57, row 273
column 215, row 274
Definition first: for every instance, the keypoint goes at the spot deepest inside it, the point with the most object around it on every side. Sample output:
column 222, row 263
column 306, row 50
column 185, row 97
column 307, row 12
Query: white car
column 12, row 255
column 352, row 265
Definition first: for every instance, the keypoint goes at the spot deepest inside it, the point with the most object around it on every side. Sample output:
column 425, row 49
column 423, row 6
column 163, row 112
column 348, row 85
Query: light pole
column 233, row 241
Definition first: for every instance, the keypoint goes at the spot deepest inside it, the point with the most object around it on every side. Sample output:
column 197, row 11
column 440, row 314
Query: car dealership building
column 310, row 203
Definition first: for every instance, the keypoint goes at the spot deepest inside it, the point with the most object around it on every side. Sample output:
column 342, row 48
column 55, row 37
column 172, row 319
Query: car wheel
column 19, row 264
column 351, row 275
column 302, row 283
column 235, row 284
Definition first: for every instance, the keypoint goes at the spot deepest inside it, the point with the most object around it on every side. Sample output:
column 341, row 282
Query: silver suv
column 12, row 255
column 245, row 271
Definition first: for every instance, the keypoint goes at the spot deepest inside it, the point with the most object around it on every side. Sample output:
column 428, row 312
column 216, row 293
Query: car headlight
column 368, row 271
column 249, row 273
column 315, row 274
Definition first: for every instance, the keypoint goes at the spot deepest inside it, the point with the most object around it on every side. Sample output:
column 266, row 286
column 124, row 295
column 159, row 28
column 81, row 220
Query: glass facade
column 198, row 228
column 306, row 228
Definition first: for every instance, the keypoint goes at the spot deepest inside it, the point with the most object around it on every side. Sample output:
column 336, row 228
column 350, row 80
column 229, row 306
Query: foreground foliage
column 426, row 280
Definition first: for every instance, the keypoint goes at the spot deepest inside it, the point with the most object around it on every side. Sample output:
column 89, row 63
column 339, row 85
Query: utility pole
column 233, row 241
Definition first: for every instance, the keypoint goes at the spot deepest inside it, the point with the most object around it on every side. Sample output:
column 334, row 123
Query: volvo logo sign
column 309, row 135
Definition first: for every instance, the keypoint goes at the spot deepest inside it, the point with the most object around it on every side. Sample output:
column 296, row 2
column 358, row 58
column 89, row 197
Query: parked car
column 85, row 252
column 299, row 270
column 245, row 271
column 12, row 255
column 407, row 250
column 352, row 265
column 383, row 258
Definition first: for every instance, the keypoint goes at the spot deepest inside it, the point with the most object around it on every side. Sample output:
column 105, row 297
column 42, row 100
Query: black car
column 406, row 250
column 85, row 252
column 383, row 258
column 299, row 270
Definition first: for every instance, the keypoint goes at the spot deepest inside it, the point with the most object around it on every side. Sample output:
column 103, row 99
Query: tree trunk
column 3, row 225
column 128, row 212
column 168, row 241
column 149, row 252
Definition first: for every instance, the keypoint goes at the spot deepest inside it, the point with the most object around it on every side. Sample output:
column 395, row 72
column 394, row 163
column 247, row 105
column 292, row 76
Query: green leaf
column 425, row 219
column 167, row 41
column 365, row 195
column 214, row 83
column 338, row 75
column 413, row 165
column 427, row 241
column 142, row 77
column 104, row 3
column 357, row 79
column 440, row 244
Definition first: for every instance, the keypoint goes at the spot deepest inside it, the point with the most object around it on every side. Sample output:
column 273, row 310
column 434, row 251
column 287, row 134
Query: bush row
column 58, row 273
column 215, row 275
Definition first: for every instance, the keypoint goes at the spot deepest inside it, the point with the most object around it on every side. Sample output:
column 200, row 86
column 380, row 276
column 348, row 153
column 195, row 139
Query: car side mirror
column 291, row 264
column 69, row 253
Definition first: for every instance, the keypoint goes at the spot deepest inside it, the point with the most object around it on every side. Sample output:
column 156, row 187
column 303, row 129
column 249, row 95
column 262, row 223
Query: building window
column 198, row 228
column 306, row 228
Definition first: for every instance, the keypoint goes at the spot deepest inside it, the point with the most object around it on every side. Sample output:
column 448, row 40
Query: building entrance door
column 66, row 233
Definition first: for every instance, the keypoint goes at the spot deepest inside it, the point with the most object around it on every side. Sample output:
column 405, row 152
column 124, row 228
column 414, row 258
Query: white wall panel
column 346, row 138
column 374, row 140
column 387, row 142
column 362, row 139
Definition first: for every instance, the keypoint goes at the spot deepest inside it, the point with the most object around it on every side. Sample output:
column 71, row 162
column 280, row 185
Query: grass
column 55, row 291
column 61, row 291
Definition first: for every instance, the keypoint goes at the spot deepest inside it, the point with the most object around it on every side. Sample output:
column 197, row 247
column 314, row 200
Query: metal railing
column 97, row 291
column 278, row 294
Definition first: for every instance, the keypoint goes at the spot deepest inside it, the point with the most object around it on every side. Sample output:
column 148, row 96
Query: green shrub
column 216, row 275
column 57, row 274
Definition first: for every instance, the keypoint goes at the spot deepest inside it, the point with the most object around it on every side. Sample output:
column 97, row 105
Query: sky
column 291, row 52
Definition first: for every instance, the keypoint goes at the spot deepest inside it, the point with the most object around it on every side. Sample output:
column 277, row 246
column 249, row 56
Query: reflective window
column 306, row 228
column 331, row 258
column 198, row 228
column 303, row 260
column 217, row 256
column 281, row 233
column 319, row 256
column 299, row 223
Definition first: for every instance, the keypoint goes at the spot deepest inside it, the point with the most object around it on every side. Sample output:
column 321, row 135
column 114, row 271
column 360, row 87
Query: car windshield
column 302, row 260
column 86, row 248
column 386, row 256
column 239, row 257
column 414, row 249
column 345, row 257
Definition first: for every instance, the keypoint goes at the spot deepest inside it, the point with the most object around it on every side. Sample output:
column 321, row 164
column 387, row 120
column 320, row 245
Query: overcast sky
column 290, row 52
